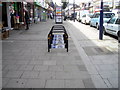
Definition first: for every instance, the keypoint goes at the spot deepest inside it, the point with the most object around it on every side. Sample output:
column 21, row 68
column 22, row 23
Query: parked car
column 73, row 16
column 78, row 16
column 86, row 18
column 112, row 26
column 80, row 13
column 116, row 11
column 95, row 20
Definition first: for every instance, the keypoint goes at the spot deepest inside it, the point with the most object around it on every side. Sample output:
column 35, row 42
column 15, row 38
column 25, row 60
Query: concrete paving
column 99, row 56
column 27, row 64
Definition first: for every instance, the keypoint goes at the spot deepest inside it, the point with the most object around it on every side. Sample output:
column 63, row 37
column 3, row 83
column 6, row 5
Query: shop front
column 30, row 8
column 37, row 12
column 41, row 10
column 6, row 20
column 12, row 14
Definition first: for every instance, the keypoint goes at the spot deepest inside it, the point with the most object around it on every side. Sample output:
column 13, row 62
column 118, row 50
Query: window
column 108, row 15
column 89, row 15
column 84, row 16
column 93, row 16
column 112, row 20
column 118, row 21
column 97, row 15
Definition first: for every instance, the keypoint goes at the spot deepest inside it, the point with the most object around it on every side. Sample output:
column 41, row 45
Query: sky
column 71, row 1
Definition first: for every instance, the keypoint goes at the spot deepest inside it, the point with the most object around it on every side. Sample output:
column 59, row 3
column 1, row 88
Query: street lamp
column 101, row 22
column 74, row 10
column 68, row 8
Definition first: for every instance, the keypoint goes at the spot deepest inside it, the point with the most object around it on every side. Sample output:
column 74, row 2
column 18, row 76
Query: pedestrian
column 51, row 16
column 65, row 17
column 48, row 15
column 27, row 20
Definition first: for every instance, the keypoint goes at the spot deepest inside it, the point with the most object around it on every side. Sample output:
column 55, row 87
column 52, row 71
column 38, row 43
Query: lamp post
column 101, row 22
column 74, row 10
column 68, row 8
column 112, row 4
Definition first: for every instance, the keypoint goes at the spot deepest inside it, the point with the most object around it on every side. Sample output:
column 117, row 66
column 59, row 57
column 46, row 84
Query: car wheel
column 119, row 36
column 85, row 23
column 97, row 26
column 118, row 33
column 104, row 31
column 90, row 24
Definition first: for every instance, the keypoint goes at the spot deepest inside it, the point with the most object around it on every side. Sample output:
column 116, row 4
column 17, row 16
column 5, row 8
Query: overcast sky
column 71, row 1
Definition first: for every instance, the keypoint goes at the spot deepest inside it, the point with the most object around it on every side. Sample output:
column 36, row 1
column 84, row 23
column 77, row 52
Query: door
column 110, row 25
column 116, row 27
column 95, row 19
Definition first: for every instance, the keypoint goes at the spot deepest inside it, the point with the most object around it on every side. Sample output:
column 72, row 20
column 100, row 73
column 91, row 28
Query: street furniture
column 57, row 37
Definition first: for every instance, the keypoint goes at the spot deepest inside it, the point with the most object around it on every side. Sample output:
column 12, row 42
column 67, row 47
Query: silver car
column 112, row 26
column 95, row 20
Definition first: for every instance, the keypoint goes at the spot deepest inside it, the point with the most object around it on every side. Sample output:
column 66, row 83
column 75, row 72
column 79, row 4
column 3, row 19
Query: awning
column 51, row 9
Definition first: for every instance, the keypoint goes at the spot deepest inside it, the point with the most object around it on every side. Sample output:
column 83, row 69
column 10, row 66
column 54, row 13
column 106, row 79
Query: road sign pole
column 101, row 22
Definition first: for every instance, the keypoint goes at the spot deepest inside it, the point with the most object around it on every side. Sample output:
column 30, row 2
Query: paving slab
column 54, row 84
column 26, row 67
column 56, row 68
column 87, row 83
column 40, row 68
column 30, row 74
column 35, row 83
column 74, row 84
column 46, row 75
column 16, row 83
column 13, row 74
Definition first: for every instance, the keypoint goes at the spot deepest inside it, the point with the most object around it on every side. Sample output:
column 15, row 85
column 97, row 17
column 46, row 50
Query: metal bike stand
column 57, row 37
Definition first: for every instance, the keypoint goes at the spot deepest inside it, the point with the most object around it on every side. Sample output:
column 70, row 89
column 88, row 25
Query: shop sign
column 40, row 3
column 58, row 10
column 117, row 3
column 58, row 18
column 43, row 3
column 37, row 2
column 108, row 3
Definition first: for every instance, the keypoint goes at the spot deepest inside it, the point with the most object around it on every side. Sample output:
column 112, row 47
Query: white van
column 80, row 13
column 83, row 12
column 116, row 11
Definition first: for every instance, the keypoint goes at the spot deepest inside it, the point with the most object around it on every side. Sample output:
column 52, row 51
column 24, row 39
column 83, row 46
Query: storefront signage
column 58, row 10
column 58, row 18
column 41, row 3
column 117, row 3
column 37, row 2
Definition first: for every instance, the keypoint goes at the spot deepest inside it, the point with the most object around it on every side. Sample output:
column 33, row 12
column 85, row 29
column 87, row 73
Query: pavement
column 99, row 56
column 27, row 64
